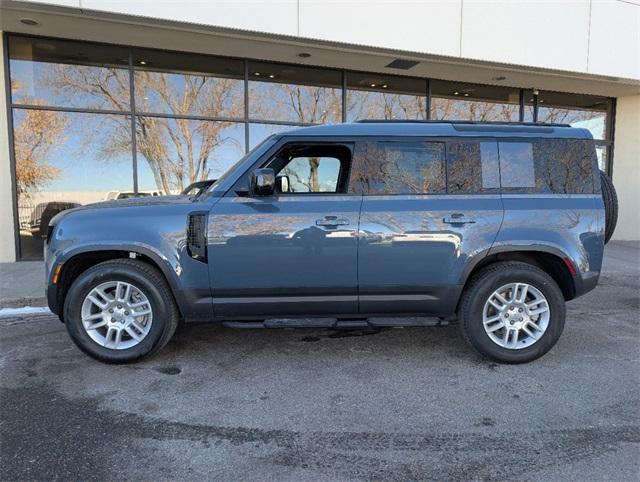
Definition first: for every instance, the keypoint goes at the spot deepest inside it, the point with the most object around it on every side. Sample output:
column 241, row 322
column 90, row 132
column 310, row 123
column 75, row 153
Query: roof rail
column 501, row 123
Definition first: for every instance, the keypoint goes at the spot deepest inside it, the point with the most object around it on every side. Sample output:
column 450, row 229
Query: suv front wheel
column 512, row 312
column 120, row 311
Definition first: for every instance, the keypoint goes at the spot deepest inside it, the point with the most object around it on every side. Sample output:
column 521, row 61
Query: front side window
column 312, row 174
column 313, row 168
column 399, row 168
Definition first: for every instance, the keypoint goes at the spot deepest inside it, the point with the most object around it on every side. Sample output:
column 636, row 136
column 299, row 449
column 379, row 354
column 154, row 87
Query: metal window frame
column 245, row 119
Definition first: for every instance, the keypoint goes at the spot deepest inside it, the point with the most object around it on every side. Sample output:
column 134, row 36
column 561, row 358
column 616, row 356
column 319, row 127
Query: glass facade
column 95, row 122
column 483, row 103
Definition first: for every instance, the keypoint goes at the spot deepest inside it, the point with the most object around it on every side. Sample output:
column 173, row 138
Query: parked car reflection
column 44, row 212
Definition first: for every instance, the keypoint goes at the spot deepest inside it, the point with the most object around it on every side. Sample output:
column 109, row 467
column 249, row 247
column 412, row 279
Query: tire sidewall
column 96, row 276
column 479, row 338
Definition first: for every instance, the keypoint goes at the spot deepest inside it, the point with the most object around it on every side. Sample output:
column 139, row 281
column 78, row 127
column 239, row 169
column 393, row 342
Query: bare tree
column 177, row 150
column 35, row 136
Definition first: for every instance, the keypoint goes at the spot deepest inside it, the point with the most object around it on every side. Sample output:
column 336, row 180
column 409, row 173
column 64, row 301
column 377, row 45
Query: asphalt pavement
column 398, row 404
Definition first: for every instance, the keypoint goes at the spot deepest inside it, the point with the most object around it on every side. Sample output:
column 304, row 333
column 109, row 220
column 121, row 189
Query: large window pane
column 474, row 102
column 585, row 111
column 66, row 159
column 186, row 84
column 259, row 132
column 68, row 74
column 290, row 93
column 173, row 153
column 375, row 96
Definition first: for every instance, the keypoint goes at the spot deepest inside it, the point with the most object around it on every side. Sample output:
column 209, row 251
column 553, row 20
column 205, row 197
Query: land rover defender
column 490, row 226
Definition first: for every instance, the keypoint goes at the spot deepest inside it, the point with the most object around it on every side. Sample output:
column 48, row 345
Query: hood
column 137, row 202
column 125, row 203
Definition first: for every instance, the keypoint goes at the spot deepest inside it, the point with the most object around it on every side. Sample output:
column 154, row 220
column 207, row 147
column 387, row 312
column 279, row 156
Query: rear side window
column 472, row 167
column 399, row 168
column 560, row 166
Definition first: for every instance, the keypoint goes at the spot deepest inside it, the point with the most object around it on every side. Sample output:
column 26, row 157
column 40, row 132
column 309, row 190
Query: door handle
column 458, row 218
column 332, row 221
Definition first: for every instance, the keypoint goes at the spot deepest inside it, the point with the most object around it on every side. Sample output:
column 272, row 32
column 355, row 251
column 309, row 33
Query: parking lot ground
column 399, row 404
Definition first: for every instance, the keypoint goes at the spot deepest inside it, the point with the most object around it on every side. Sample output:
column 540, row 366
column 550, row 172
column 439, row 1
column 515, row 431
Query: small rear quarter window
column 552, row 166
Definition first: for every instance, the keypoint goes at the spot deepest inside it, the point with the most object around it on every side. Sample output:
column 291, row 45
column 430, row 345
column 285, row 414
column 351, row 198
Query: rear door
column 422, row 218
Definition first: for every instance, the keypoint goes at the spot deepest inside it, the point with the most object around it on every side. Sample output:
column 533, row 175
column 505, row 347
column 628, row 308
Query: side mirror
column 282, row 184
column 262, row 182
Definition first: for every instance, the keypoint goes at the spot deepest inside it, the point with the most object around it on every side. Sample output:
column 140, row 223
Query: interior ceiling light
column 466, row 95
column 456, row 93
column 373, row 85
column 257, row 74
column 402, row 64
column 29, row 21
column 45, row 46
column 384, row 86
column 142, row 62
column 304, row 55
column 272, row 76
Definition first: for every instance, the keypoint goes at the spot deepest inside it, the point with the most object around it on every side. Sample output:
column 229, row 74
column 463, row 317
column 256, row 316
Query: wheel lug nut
column 127, row 313
column 520, row 310
column 111, row 310
column 506, row 315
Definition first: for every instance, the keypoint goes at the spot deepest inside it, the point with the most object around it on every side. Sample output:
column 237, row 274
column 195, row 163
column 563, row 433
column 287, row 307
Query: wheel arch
column 549, row 259
column 82, row 259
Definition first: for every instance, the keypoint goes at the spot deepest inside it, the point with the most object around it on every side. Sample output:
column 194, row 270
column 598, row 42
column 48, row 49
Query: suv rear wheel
column 512, row 312
column 120, row 311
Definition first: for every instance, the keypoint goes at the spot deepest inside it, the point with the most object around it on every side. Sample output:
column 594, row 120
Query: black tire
column 478, row 291
column 145, row 277
column 610, row 198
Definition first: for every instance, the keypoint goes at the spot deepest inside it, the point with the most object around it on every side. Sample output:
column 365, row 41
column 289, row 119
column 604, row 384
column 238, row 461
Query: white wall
column 589, row 36
column 626, row 167
column 7, row 240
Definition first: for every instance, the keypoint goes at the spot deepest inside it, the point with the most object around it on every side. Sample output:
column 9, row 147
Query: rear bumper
column 586, row 282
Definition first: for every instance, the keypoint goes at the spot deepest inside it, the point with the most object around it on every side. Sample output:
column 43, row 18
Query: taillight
column 572, row 268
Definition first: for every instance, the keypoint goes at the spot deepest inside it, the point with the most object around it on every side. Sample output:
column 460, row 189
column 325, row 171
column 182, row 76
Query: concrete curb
column 20, row 302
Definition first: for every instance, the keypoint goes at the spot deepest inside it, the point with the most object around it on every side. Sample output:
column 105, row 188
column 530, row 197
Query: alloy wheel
column 516, row 316
column 116, row 315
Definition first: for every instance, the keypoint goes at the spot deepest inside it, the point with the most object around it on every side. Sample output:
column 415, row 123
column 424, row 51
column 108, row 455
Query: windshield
column 256, row 151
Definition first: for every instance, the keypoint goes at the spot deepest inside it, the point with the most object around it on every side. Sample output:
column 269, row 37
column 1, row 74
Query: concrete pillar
column 626, row 167
column 7, row 229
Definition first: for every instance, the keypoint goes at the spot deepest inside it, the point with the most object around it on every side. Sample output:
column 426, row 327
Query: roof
column 442, row 129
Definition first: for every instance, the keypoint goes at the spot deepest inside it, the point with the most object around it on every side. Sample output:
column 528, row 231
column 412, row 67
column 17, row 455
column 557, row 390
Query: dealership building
column 113, row 99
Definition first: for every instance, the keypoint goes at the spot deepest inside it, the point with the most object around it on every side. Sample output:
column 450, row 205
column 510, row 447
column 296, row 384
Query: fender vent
column 197, row 236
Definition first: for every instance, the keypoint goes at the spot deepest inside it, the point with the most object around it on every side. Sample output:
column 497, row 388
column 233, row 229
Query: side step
column 335, row 323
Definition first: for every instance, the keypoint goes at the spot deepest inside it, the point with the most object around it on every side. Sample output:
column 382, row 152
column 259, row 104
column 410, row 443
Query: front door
column 293, row 253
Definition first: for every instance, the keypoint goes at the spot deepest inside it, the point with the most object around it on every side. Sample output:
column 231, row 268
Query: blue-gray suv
column 492, row 226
